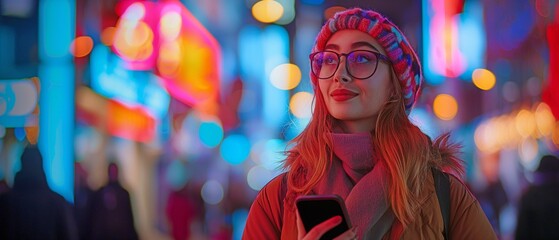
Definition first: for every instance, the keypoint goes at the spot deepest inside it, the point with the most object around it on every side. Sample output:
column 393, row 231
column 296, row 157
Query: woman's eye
column 330, row 60
column 361, row 58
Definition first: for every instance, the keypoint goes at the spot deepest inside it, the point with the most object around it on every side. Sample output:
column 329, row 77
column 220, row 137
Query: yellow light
column 445, row 107
column 285, row 76
column 170, row 26
column 513, row 135
column 525, row 123
column 138, row 34
column 267, row 11
column 81, row 46
column 301, row 104
column 545, row 121
column 194, row 69
column 133, row 40
column 483, row 79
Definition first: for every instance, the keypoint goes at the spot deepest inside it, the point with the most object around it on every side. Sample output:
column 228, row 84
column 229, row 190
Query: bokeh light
column 511, row 130
column 108, row 36
column 169, row 58
column 170, row 25
column 212, row 192
column 258, row 176
column 267, row 11
column 176, row 175
column 81, row 46
column 133, row 40
column 445, row 106
column 545, row 121
column 301, row 104
column 285, row 76
column 525, row 123
column 211, row 133
column 235, row 149
column 483, row 79
column 483, row 139
column 528, row 151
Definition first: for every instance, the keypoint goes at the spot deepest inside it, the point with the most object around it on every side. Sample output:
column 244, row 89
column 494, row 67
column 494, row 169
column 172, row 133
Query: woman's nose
column 341, row 74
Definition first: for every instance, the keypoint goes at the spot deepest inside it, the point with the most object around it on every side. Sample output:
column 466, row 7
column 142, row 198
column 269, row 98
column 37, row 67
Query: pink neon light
column 196, row 78
column 183, row 85
column 445, row 57
column 139, row 19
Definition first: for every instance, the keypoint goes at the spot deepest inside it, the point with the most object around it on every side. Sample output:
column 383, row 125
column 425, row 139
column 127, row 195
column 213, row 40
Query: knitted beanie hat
column 401, row 54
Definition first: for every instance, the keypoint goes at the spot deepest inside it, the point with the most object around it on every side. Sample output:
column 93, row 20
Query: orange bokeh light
column 81, row 46
column 108, row 35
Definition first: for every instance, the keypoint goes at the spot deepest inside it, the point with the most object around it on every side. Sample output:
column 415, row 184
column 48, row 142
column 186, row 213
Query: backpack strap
column 442, row 187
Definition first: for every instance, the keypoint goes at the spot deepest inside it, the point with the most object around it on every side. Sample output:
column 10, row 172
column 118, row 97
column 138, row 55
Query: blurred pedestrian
column 110, row 213
column 82, row 198
column 31, row 210
column 538, row 212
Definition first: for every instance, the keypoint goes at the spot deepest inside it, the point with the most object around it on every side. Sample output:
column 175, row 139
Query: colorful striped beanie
column 401, row 54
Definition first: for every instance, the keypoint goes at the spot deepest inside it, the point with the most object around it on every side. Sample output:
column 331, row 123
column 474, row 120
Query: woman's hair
column 406, row 151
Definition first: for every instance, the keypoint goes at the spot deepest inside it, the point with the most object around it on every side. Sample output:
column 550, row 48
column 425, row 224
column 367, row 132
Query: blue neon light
column 57, row 20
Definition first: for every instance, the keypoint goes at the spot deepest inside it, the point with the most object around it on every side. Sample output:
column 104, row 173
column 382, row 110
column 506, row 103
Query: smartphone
column 315, row 209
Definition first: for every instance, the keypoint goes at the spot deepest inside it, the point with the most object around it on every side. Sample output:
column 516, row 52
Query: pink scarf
column 358, row 178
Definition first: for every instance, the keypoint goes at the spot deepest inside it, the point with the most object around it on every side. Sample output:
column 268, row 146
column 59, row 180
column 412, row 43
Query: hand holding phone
column 315, row 209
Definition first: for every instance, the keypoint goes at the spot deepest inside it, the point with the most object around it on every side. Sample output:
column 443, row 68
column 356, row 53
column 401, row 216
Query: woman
column 361, row 145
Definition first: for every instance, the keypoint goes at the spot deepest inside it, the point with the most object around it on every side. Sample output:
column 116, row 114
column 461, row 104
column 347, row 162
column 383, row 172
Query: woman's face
column 355, row 102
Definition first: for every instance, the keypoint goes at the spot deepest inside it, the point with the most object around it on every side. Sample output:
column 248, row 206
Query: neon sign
column 454, row 41
column 167, row 38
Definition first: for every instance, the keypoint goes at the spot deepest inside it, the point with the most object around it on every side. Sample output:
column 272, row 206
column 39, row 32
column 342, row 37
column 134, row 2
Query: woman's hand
column 317, row 231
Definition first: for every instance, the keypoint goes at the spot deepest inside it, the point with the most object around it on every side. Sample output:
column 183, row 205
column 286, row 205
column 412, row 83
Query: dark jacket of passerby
column 111, row 211
column 538, row 212
column 31, row 210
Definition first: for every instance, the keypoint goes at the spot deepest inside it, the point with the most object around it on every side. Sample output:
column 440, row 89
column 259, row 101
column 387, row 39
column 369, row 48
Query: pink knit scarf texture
column 360, row 180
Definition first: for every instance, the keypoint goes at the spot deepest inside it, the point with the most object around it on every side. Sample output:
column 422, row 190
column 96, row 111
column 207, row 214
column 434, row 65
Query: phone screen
column 315, row 209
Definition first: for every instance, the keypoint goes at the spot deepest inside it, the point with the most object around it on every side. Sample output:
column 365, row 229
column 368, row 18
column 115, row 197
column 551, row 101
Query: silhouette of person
column 110, row 213
column 31, row 210
column 82, row 196
column 538, row 212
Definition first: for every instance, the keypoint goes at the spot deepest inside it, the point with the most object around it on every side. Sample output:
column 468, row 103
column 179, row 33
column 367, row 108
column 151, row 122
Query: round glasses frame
column 378, row 55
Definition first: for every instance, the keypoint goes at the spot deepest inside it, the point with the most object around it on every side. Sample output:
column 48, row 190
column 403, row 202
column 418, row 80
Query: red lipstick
column 341, row 95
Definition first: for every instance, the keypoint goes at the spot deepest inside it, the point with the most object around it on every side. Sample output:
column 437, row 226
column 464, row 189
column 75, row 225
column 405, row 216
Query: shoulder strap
column 442, row 186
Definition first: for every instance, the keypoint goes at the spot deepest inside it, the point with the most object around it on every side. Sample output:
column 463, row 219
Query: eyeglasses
column 360, row 64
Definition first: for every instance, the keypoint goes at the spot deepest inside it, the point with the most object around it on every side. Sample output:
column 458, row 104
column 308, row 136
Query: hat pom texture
column 401, row 54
